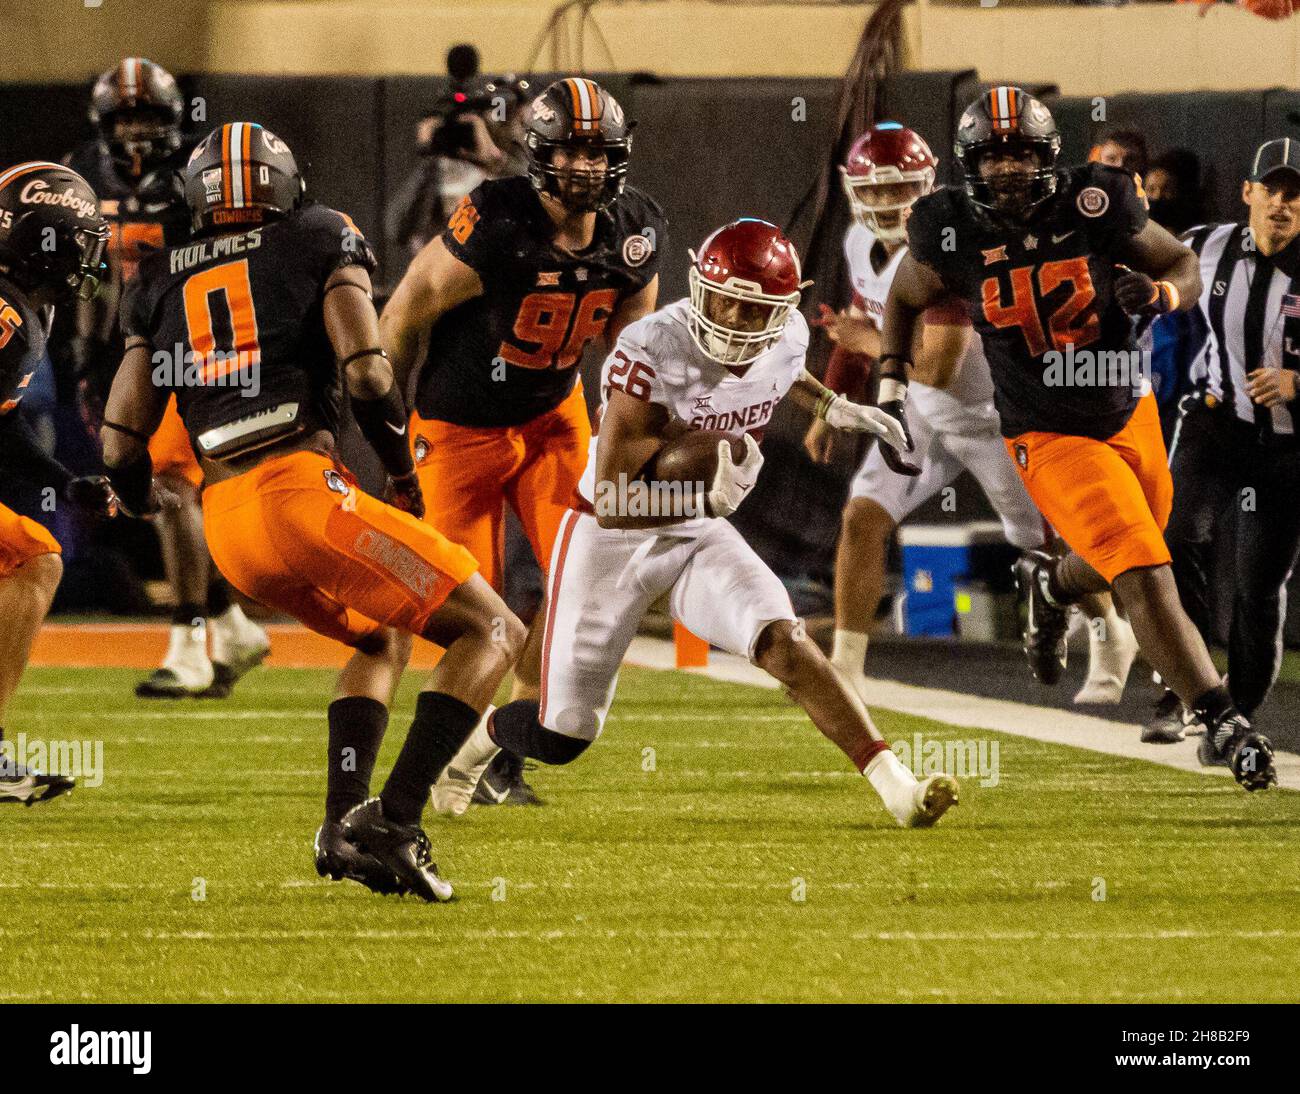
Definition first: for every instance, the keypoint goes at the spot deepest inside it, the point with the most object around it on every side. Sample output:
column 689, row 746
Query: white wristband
column 892, row 391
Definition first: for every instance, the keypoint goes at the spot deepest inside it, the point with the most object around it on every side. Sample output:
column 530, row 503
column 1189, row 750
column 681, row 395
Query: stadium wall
column 1085, row 51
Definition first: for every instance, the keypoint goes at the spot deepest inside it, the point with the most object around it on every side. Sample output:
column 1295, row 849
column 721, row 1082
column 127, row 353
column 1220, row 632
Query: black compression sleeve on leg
column 357, row 725
column 382, row 422
column 219, row 597
column 516, row 727
column 442, row 724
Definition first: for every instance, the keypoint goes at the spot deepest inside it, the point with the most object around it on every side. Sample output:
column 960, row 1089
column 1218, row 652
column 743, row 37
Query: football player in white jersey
column 953, row 423
column 721, row 360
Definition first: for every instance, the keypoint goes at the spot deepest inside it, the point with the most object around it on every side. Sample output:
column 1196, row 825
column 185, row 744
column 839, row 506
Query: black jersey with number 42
column 508, row 355
column 1044, row 288
column 243, row 314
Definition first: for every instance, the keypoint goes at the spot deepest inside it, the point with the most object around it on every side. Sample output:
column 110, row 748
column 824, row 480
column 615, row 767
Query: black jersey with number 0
column 243, row 313
column 1046, row 288
column 509, row 355
column 22, row 344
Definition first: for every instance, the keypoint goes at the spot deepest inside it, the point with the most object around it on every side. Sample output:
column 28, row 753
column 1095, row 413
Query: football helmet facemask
column 886, row 170
column 137, row 109
column 1012, row 126
column 745, row 281
column 52, row 237
column 581, row 120
column 240, row 174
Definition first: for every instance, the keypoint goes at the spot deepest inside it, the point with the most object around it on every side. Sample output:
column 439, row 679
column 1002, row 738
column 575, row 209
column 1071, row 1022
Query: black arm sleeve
column 382, row 422
column 21, row 455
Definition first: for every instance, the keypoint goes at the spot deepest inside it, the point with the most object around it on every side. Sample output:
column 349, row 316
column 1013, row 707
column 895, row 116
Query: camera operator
column 473, row 132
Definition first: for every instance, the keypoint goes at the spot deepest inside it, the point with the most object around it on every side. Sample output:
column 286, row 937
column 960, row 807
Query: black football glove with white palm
column 1139, row 294
column 93, row 495
column 891, row 399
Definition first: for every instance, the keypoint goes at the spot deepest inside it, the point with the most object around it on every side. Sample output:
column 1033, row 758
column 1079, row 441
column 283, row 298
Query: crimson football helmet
column 52, row 237
column 239, row 174
column 750, row 261
column 887, row 155
column 137, row 109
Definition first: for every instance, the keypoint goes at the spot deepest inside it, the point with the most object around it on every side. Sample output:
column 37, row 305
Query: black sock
column 219, row 599
column 1214, row 706
column 357, row 726
column 517, row 728
column 442, row 724
column 186, row 614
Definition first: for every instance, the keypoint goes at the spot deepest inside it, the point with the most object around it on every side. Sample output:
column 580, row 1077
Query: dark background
column 708, row 150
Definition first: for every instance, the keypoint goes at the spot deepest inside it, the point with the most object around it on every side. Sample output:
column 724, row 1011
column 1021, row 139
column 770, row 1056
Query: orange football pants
column 469, row 475
column 21, row 540
column 297, row 534
column 170, row 450
column 1109, row 500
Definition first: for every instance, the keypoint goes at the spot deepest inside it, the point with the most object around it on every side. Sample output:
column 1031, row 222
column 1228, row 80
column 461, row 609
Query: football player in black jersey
column 494, row 315
column 256, row 325
column 134, row 166
column 1052, row 264
column 52, row 240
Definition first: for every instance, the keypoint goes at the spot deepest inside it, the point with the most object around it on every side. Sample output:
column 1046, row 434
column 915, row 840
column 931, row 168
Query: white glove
column 732, row 481
column 852, row 417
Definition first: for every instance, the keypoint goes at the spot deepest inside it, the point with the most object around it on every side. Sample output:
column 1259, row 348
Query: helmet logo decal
column 38, row 192
column 1092, row 201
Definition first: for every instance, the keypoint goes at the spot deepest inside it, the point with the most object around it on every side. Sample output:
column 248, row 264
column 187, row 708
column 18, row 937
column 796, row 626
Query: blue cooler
column 937, row 558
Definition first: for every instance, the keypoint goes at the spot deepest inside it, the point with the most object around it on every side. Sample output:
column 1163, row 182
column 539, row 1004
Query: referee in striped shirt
column 1238, row 436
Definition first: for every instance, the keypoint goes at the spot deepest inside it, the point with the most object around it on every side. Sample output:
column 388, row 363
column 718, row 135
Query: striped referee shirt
column 1251, row 306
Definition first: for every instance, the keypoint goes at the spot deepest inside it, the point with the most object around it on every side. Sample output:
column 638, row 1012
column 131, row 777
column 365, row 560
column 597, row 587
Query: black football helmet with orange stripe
column 52, row 237
column 137, row 109
column 1005, row 120
column 240, row 174
column 578, row 114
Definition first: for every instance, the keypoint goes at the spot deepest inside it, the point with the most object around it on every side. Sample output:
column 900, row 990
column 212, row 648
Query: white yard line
column 1061, row 727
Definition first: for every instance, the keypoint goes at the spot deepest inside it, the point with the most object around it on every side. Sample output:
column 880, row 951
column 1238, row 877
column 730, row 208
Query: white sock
column 849, row 652
column 891, row 780
column 478, row 747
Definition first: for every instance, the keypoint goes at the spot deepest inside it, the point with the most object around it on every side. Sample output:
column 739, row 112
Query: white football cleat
column 452, row 793
column 238, row 645
column 1109, row 662
column 931, row 799
column 913, row 803
column 186, row 670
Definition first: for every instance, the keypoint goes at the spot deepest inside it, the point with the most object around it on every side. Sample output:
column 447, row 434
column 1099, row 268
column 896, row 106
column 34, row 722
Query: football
column 693, row 457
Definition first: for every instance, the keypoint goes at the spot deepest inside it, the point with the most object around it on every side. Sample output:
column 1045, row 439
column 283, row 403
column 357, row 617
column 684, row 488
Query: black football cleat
column 403, row 848
column 1045, row 624
column 225, row 675
column 1233, row 743
column 19, row 783
column 503, row 783
column 336, row 858
column 1170, row 722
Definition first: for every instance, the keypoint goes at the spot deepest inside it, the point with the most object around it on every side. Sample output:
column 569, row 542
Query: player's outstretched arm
column 1159, row 274
column 941, row 347
column 377, row 403
column 434, row 283
column 134, row 409
column 842, row 414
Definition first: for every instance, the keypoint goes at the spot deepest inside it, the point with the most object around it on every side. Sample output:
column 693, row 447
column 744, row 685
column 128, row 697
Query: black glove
column 403, row 492
column 93, row 495
column 894, row 394
column 1139, row 294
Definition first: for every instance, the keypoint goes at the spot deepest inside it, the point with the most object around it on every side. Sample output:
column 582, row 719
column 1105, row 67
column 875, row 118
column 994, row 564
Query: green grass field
column 676, row 883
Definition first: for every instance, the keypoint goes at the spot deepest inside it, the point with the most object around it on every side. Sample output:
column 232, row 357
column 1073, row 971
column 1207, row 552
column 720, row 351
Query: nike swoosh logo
column 394, row 428
column 1062, row 238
